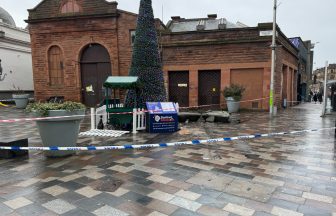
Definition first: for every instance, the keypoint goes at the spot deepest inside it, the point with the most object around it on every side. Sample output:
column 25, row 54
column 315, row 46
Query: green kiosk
column 114, row 106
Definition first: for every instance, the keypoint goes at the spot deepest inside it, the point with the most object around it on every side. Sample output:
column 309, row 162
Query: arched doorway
column 95, row 68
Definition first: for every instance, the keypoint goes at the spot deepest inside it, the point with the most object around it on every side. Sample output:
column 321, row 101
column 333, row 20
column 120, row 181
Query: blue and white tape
column 161, row 145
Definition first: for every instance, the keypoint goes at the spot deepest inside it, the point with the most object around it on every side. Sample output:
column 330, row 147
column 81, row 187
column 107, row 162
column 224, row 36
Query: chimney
column 176, row 18
column 212, row 16
column 201, row 25
column 222, row 24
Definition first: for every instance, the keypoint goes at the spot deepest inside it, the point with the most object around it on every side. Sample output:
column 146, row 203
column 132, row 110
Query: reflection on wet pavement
column 288, row 175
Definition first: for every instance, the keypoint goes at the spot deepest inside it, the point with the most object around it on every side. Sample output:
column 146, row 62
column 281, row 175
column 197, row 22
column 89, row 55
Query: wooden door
column 179, row 87
column 209, row 91
column 95, row 68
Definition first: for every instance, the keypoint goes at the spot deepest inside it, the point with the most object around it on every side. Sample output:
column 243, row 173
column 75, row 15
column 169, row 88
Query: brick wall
column 227, row 51
column 72, row 36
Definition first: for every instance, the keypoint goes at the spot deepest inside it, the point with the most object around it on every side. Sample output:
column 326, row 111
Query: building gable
column 51, row 9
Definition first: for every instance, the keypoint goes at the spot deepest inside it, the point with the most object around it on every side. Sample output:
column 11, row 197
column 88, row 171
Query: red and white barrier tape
column 121, row 113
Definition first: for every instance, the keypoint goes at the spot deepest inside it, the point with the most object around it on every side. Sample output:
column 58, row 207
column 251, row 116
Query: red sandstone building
column 78, row 43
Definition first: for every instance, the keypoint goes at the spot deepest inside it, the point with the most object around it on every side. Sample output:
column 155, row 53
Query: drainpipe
column 325, row 99
column 273, row 61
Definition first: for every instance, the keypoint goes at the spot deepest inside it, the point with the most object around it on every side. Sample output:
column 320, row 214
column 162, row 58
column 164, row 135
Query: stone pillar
column 225, row 81
column 193, row 87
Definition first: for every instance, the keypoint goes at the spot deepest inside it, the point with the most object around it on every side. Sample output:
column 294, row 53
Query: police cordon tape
column 7, row 100
column 121, row 113
column 161, row 145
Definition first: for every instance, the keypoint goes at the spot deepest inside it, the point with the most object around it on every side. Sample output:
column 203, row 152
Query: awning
column 121, row 82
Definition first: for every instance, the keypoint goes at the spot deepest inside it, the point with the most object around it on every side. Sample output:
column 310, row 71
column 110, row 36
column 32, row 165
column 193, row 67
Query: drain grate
column 109, row 185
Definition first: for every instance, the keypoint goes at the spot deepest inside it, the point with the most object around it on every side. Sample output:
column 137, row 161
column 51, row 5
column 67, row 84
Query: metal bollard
column 93, row 118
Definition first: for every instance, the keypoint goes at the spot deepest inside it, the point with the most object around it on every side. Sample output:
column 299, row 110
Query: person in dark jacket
column 320, row 97
column 315, row 97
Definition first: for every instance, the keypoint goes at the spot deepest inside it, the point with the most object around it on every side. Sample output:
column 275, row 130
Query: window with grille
column 70, row 6
column 55, row 63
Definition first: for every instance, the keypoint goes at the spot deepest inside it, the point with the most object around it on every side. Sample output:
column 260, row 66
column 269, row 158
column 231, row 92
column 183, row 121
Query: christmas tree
column 146, row 61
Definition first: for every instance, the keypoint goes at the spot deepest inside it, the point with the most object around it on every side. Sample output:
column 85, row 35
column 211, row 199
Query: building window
column 55, row 63
column 70, row 6
column 132, row 36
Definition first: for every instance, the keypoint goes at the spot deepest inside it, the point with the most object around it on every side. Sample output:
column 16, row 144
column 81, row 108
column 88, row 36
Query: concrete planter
column 60, row 132
column 233, row 106
column 21, row 100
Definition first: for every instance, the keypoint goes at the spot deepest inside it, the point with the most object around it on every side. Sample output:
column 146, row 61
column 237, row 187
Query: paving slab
column 278, row 175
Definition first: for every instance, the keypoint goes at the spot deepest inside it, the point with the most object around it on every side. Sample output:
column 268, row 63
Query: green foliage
column 235, row 91
column 43, row 108
column 146, row 60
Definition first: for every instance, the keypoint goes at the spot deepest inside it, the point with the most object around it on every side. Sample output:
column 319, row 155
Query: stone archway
column 95, row 68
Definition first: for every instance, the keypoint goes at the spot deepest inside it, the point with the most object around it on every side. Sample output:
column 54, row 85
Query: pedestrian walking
column 310, row 97
column 315, row 97
column 320, row 97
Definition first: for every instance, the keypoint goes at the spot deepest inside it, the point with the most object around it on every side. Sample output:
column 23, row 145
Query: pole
column 273, row 61
column 93, row 118
column 134, row 121
column 325, row 99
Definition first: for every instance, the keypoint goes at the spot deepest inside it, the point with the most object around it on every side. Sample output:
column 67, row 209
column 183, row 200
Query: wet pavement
column 288, row 175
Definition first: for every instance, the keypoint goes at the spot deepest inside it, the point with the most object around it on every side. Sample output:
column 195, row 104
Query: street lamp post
column 271, row 102
column 325, row 90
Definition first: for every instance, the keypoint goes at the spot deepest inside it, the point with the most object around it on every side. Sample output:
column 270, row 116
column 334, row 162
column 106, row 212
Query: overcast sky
column 310, row 19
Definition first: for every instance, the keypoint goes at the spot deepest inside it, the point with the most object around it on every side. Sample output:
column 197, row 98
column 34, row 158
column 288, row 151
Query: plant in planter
column 233, row 95
column 20, row 97
column 62, row 132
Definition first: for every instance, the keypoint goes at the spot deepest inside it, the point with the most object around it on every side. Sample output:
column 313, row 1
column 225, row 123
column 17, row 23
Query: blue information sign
column 162, row 117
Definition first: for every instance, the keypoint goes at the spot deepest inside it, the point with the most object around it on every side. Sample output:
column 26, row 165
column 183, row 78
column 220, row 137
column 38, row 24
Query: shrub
column 43, row 108
column 235, row 91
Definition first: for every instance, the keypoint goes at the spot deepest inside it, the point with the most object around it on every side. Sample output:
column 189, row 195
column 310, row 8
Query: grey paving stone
column 139, row 188
column 72, row 185
column 313, row 211
column 141, row 199
column 78, row 212
column 232, row 199
column 109, row 211
column 108, row 199
column 40, row 197
column 284, row 204
column 59, row 206
column 89, row 205
column 205, row 191
column 213, row 202
column 5, row 209
column 184, row 212
column 70, row 197
column 32, row 210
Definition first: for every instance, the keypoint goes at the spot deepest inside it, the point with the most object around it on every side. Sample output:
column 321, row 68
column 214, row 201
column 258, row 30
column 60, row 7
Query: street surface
column 284, row 175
